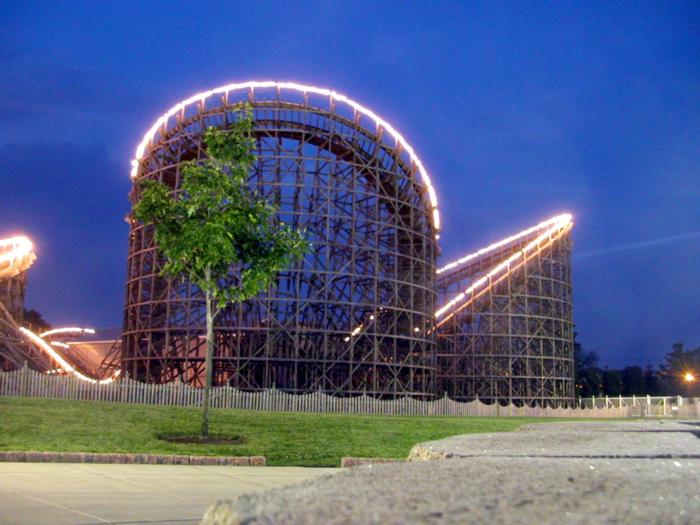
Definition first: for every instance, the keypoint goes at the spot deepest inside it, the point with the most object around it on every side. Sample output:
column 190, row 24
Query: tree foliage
column 35, row 320
column 680, row 361
column 591, row 380
column 215, row 230
column 633, row 381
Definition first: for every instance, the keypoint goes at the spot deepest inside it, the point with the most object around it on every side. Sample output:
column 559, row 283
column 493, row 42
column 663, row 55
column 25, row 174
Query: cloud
column 652, row 243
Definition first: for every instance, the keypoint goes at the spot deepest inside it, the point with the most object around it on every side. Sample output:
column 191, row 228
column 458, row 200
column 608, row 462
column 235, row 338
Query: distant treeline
column 667, row 380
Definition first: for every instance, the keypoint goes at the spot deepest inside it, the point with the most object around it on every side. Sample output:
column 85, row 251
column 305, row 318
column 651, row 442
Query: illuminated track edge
column 562, row 219
column 554, row 229
column 62, row 363
column 16, row 256
column 201, row 98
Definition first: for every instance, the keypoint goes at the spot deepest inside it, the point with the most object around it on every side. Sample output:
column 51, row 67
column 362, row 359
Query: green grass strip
column 284, row 438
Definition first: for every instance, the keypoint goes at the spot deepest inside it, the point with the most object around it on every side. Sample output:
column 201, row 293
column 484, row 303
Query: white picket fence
column 29, row 383
column 648, row 406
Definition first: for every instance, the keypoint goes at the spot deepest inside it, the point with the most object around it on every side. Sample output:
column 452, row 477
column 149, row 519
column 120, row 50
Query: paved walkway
column 58, row 494
column 556, row 473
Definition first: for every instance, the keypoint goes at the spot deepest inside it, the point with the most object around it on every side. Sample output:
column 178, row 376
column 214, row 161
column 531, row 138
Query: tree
column 589, row 377
column 633, row 381
column 680, row 361
column 35, row 320
column 216, row 232
column 651, row 381
column 612, row 382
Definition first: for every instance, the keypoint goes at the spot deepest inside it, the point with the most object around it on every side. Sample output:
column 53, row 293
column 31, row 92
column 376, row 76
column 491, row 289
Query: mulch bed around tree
column 198, row 440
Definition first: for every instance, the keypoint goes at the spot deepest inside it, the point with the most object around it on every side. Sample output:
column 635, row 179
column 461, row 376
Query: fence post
column 23, row 380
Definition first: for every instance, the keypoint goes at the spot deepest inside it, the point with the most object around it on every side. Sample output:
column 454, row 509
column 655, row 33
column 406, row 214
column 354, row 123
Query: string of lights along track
column 179, row 109
column 553, row 223
column 548, row 232
column 62, row 363
column 16, row 256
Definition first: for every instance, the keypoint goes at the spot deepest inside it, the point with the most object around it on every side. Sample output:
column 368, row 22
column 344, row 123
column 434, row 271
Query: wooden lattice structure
column 505, row 333
column 16, row 256
column 365, row 312
column 356, row 314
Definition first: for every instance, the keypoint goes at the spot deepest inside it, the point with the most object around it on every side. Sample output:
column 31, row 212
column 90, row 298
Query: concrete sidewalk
column 581, row 473
column 58, row 494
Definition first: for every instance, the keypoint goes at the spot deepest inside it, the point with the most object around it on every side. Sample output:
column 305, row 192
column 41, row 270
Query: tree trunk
column 209, row 373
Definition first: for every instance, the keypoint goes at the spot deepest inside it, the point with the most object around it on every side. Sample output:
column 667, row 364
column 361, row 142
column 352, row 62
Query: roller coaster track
column 223, row 91
column 466, row 265
column 16, row 256
column 493, row 263
column 19, row 345
column 496, row 262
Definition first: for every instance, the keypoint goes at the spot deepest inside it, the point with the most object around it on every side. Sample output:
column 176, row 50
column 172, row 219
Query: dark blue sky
column 519, row 111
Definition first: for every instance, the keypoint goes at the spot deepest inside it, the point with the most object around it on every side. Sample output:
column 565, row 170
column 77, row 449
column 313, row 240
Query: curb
column 146, row 459
column 346, row 462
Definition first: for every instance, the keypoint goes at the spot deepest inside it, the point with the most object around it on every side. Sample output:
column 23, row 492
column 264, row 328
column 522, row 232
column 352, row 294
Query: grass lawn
column 285, row 438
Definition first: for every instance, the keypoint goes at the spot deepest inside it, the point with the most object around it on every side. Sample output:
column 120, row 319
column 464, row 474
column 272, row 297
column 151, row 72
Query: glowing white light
column 554, row 222
column 62, row 363
column 16, row 256
column 555, row 229
column 68, row 330
column 200, row 98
